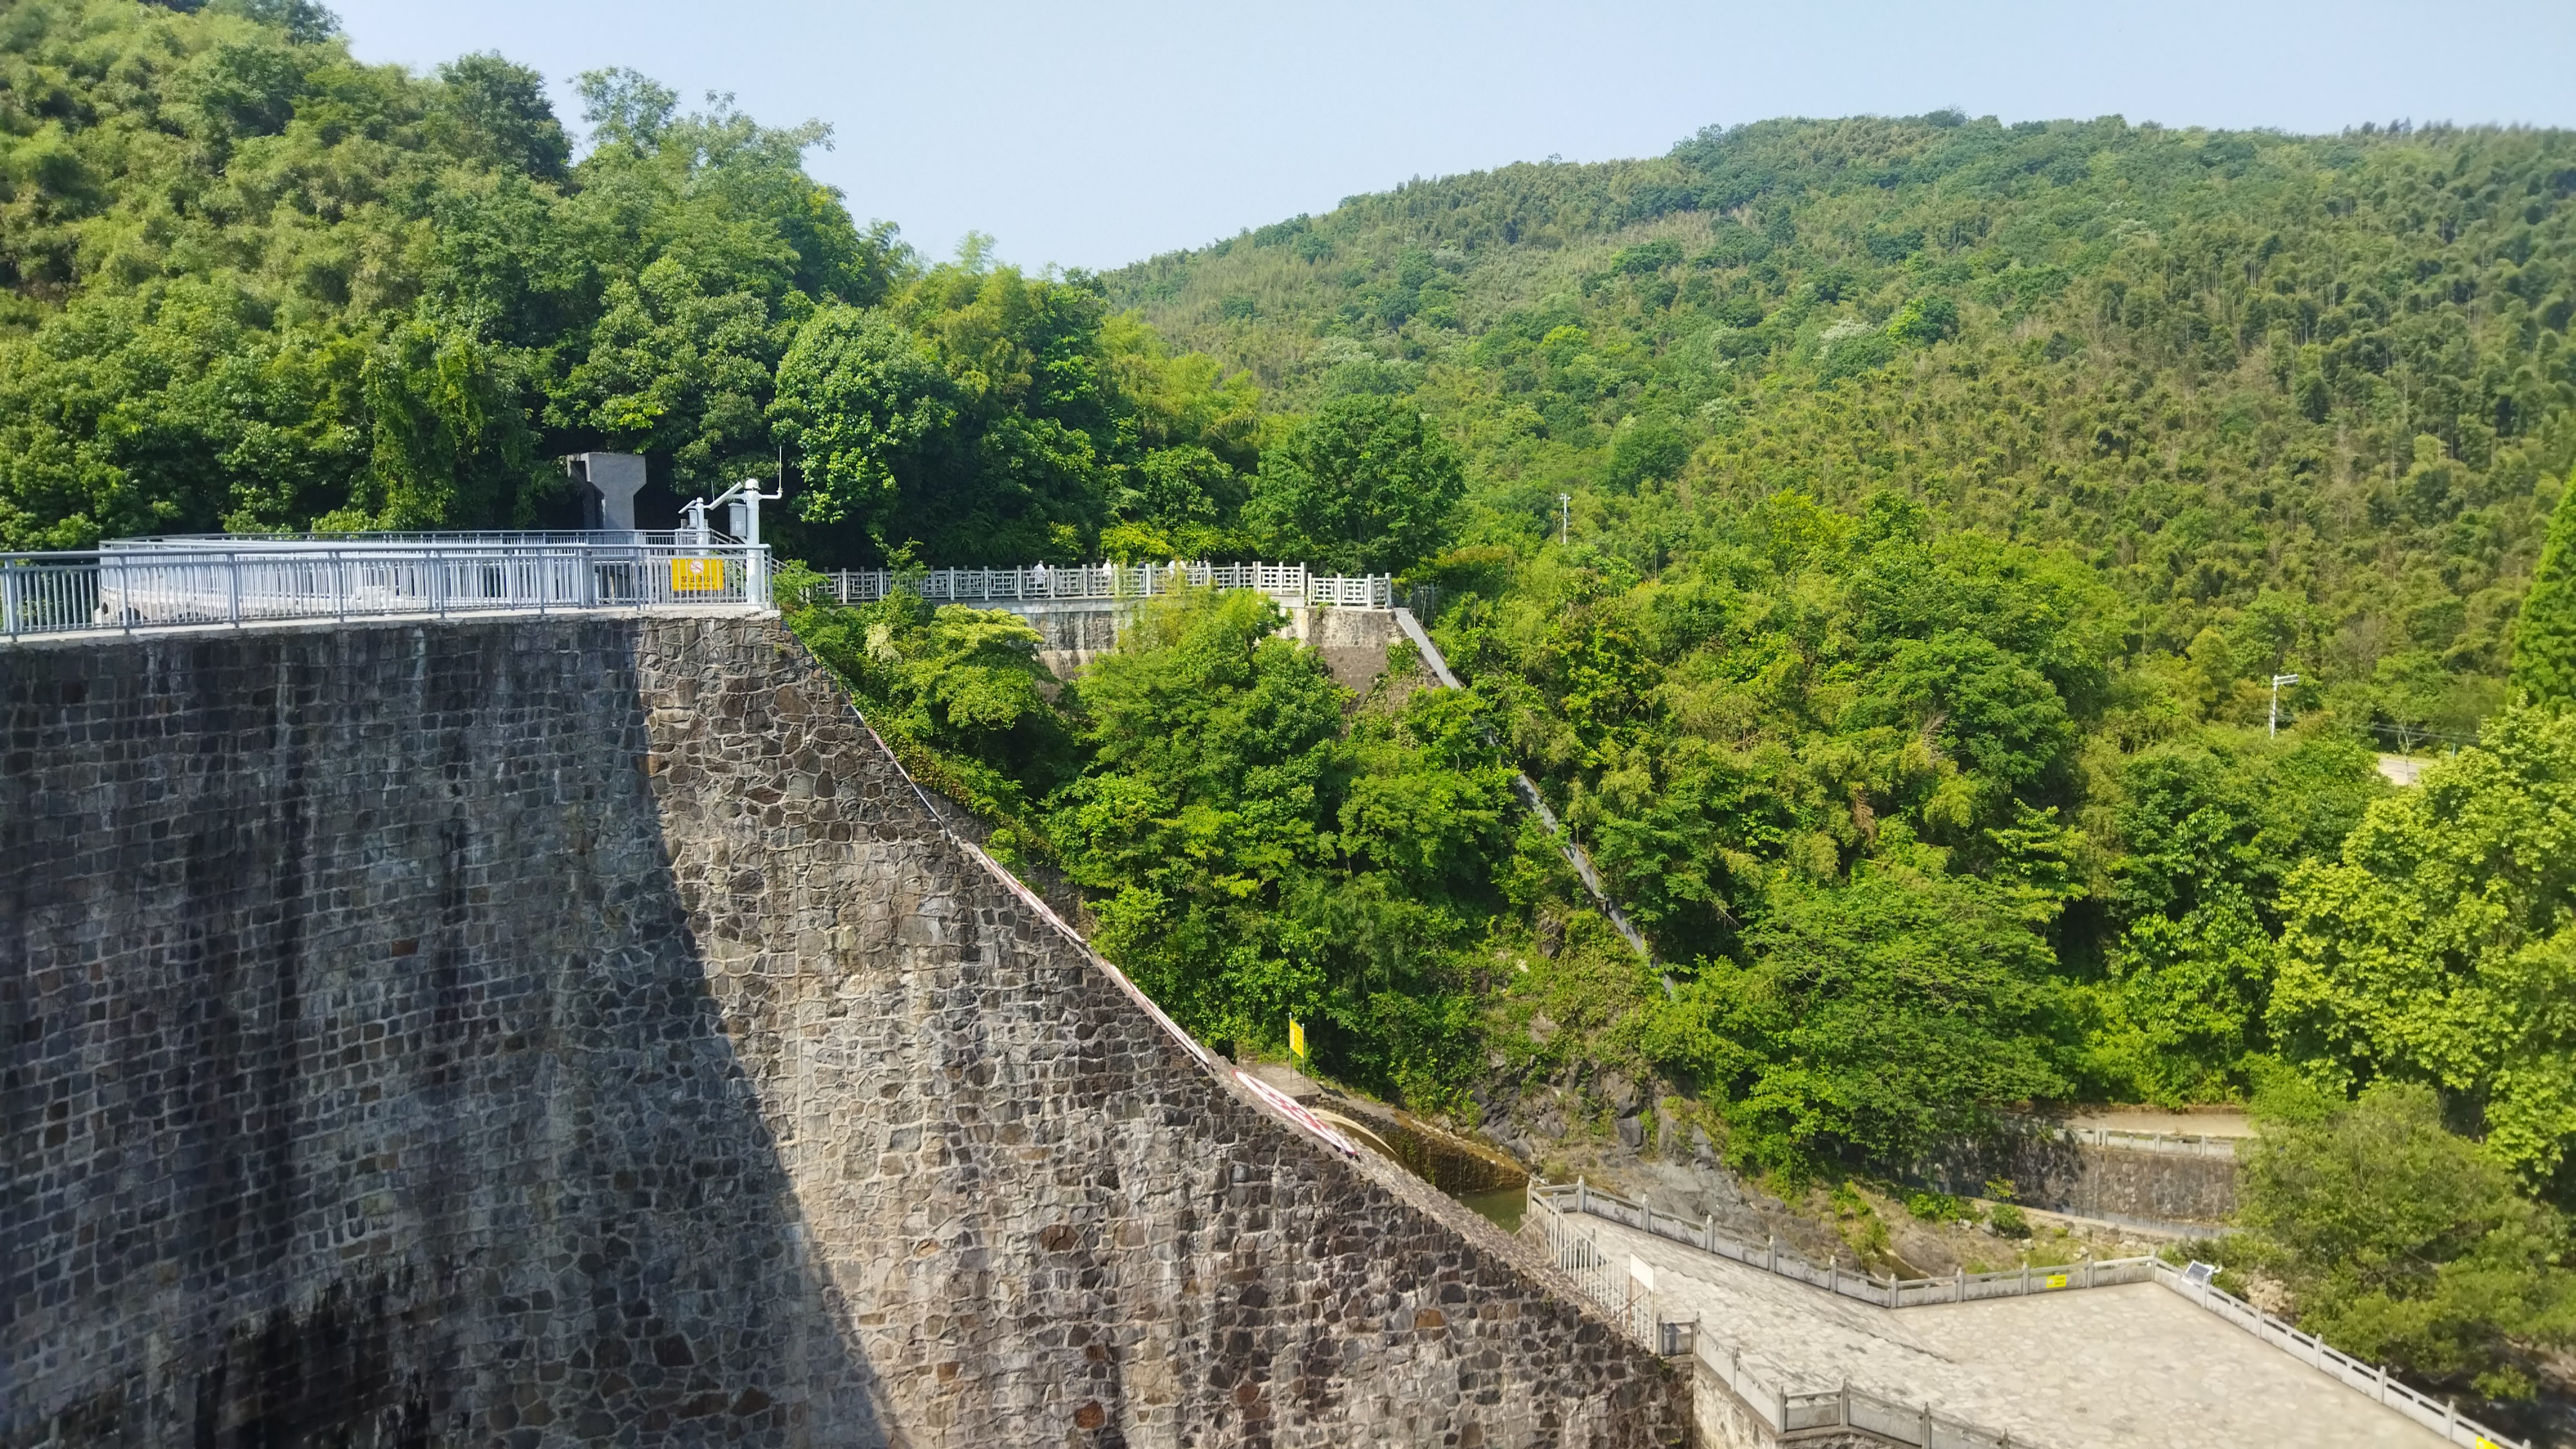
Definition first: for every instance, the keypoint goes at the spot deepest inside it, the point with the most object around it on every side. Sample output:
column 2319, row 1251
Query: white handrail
column 164, row 585
column 1288, row 583
column 2435, row 1414
column 2188, row 1144
column 458, row 538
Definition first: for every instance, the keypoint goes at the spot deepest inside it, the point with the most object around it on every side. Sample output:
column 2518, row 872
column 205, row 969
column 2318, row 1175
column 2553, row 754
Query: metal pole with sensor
column 2277, row 681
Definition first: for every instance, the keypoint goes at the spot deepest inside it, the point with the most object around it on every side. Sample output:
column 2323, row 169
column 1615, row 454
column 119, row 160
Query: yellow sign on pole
column 1296, row 1039
column 697, row 575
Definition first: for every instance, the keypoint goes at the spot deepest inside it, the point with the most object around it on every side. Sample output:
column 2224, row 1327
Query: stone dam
column 578, row 1031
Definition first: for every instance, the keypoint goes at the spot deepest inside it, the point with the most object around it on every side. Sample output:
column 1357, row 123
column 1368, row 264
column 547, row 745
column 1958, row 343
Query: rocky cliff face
column 575, row 1031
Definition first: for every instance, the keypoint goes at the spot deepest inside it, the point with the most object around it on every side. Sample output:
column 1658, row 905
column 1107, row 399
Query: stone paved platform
column 2131, row 1367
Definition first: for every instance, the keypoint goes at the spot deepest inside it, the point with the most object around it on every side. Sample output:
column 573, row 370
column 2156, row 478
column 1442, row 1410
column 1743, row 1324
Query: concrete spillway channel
column 1484, row 1178
column 1575, row 855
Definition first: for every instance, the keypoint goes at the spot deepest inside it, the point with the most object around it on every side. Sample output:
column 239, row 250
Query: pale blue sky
column 1095, row 135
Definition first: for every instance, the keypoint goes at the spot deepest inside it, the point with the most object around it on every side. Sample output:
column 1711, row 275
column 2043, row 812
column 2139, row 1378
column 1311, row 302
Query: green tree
column 1215, row 750
column 1426, row 824
column 302, row 20
column 2402, row 1243
column 253, row 283
column 1996, row 714
column 718, row 247
column 1175, row 505
column 859, row 398
column 2441, row 947
column 2203, row 833
column 680, row 365
column 1251, row 855
column 1874, row 1019
column 979, row 416
column 1925, row 320
column 451, row 437
column 503, row 116
column 1366, row 485
column 2226, row 401
column 2185, row 1000
column 1647, row 450
column 2544, row 638
column 964, row 687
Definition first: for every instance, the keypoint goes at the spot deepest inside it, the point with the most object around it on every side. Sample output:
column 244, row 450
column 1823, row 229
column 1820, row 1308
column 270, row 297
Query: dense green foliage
column 252, row 284
column 1945, row 496
column 961, row 687
column 2441, row 946
column 2402, row 1242
column 2313, row 395
column 1874, row 1016
column 1254, row 859
column 1251, row 853
column 1365, row 486
column 255, row 284
column 2544, row 640
column 1805, row 707
column 982, row 416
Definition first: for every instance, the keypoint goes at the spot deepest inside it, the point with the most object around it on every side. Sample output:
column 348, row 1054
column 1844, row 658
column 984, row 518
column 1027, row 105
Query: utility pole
column 2277, row 681
column 1565, row 518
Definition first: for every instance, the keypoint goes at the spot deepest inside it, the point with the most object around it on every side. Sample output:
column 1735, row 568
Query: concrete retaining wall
column 1075, row 632
column 575, row 1032
column 2152, row 1189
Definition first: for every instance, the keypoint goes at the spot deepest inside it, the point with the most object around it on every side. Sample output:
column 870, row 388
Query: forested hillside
column 252, row 284
column 1881, row 537
column 1878, row 537
column 2314, row 394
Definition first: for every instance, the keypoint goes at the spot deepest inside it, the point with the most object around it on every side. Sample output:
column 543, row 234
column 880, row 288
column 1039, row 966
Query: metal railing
column 1609, row 1284
column 132, row 586
column 2185, row 1144
column 1038, row 583
column 1890, row 1292
column 1560, row 1202
column 453, row 538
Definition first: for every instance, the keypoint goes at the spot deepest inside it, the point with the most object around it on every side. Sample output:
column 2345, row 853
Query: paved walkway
column 2132, row 1367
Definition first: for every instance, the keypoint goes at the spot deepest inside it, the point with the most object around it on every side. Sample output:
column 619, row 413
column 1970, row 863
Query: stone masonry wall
column 575, row 1031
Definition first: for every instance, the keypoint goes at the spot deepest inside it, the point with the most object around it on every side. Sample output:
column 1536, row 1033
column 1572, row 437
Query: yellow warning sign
column 697, row 575
column 2056, row 1280
column 1296, row 1038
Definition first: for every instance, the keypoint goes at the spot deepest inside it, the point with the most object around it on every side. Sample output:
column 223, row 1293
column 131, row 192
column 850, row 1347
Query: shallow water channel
column 1486, row 1180
column 1501, row 1206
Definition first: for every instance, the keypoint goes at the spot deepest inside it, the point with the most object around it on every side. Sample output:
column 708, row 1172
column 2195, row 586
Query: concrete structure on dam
column 1078, row 612
column 577, row 1031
